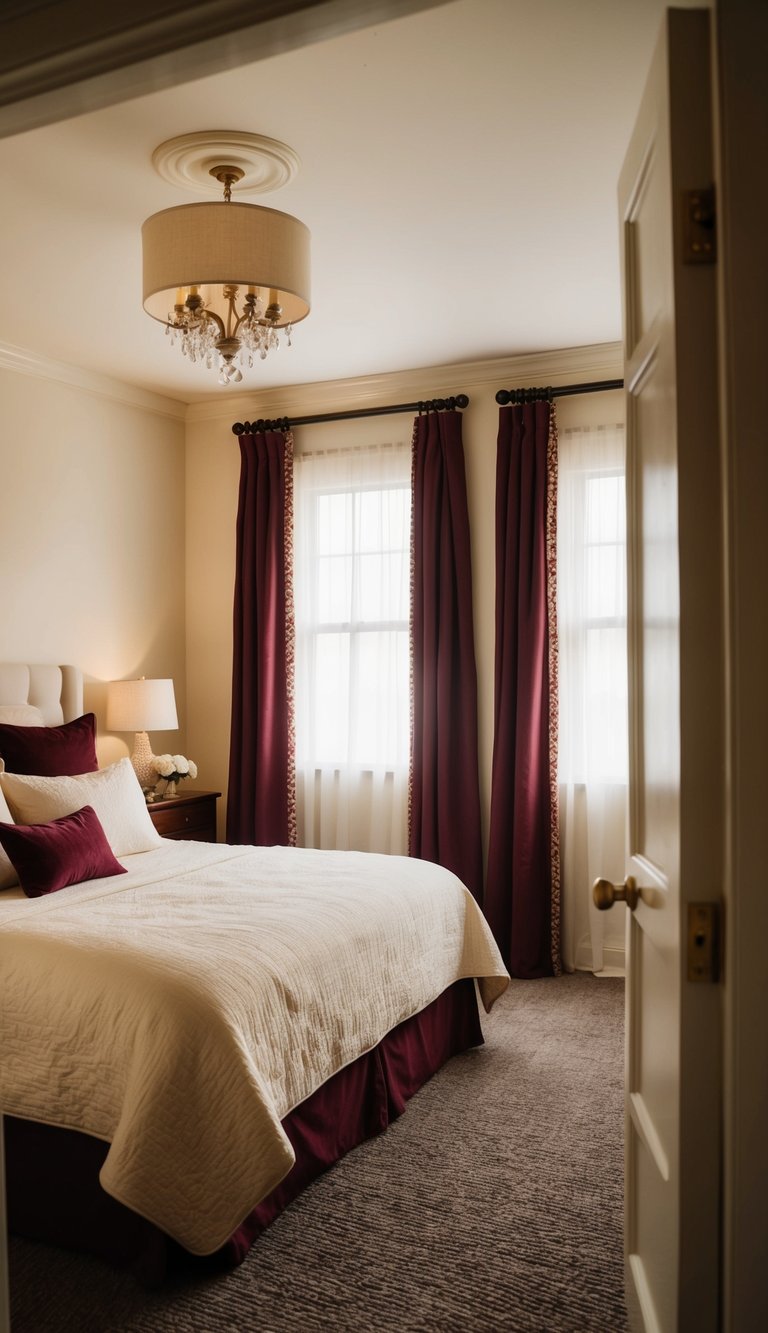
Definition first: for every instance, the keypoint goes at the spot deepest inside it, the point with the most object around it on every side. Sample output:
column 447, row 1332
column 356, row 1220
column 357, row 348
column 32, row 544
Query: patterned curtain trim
column 551, row 539
column 290, row 636
column 412, row 590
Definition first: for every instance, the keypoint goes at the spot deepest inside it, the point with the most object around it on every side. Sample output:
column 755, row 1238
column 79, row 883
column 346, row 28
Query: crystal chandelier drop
column 226, row 278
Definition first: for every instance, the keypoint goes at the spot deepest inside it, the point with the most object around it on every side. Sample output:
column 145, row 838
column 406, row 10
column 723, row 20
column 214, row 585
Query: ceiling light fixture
column 225, row 277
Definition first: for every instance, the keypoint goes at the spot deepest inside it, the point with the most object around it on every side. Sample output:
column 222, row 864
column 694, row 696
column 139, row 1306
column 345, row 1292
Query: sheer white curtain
column 352, row 535
column 592, row 765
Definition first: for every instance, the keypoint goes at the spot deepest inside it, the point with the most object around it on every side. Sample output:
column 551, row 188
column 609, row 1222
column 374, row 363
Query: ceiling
column 458, row 176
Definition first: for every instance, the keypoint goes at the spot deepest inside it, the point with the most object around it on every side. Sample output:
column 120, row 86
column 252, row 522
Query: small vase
column 170, row 789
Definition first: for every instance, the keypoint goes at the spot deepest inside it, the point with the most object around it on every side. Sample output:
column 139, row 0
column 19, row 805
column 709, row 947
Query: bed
column 190, row 1037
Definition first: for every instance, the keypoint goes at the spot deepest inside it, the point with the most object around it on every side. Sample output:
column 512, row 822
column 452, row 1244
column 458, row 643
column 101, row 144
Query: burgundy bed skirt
column 53, row 1188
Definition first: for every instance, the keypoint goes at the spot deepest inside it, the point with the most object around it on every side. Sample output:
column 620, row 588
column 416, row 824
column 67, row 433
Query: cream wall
column 92, row 529
column 213, row 468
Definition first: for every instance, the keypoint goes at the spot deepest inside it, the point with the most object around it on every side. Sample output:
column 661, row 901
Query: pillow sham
column 114, row 793
column 50, row 751
column 21, row 715
column 68, row 850
column 8, row 876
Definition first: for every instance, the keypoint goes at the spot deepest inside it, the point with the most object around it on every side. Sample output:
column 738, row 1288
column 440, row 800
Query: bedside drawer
column 186, row 817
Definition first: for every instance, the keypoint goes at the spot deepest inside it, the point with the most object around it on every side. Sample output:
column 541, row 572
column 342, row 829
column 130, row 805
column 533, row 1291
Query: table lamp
column 141, row 706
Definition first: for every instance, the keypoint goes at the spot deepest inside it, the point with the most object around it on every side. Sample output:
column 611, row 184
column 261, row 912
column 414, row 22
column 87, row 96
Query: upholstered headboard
column 56, row 690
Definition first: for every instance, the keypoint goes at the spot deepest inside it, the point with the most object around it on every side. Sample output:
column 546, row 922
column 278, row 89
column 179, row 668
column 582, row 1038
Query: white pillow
column 8, row 875
column 21, row 715
column 114, row 793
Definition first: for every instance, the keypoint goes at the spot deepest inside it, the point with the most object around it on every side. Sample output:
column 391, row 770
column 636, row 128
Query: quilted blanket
column 180, row 1011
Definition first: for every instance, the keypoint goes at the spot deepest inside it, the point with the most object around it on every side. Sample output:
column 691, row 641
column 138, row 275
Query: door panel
column 675, row 675
column 643, row 246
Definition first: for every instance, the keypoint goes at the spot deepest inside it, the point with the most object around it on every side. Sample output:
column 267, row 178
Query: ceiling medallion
column 225, row 277
column 188, row 160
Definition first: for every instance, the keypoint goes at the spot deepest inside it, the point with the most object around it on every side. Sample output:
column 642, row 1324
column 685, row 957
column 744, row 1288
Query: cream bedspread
column 181, row 1010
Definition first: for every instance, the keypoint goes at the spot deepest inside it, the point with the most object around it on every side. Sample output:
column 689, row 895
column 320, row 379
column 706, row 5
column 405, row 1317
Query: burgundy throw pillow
column 51, row 752
column 47, row 857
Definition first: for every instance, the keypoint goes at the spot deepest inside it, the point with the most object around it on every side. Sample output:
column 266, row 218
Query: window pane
column 606, row 594
column 369, row 520
column 606, row 704
column 334, row 523
column 398, row 526
column 382, row 589
column 606, row 513
column 328, row 737
column 334, row 589
column 384, row 517
column 380, row 720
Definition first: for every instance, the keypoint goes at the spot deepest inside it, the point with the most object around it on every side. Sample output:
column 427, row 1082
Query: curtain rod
column 505, row 396
column 283, row 423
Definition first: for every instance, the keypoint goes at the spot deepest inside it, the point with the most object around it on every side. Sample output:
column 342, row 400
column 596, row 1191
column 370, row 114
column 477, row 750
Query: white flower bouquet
column 170, row 769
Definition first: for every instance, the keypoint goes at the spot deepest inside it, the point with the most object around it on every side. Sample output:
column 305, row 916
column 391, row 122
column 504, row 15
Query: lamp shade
column 141, row 705
column 208, row 246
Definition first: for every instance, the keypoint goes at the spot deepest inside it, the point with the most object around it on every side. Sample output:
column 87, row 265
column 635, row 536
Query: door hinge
column 699, row 226
column 704, row 942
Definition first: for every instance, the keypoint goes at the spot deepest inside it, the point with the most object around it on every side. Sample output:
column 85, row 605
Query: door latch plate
column 703, row 942
column 699, row 229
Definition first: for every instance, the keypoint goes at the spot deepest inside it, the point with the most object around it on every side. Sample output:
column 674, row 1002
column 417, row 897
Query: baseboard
column 613, row 959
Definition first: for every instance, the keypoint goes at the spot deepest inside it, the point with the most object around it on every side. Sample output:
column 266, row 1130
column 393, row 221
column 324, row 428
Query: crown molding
column 25, row 362
column 566, row 365
column 601, row 361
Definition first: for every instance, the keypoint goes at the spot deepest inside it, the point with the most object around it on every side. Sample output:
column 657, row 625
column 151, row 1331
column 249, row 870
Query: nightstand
column 191, row 817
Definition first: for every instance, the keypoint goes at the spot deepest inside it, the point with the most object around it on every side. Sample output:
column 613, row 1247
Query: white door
column 673, row 1044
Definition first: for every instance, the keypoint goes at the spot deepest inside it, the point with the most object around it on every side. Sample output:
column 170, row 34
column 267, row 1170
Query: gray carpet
column 493, row 1205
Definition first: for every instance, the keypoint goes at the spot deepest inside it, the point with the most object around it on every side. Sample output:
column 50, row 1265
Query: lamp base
column 142, row 760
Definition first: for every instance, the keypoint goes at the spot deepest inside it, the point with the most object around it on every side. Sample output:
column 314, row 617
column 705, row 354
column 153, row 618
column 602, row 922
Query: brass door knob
column 605, row 894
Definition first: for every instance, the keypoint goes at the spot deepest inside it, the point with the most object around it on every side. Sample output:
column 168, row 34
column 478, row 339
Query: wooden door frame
column 741, row 133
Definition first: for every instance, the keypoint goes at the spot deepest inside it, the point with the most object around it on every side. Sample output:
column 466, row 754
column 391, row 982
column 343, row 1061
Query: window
column 352, row 604
column 605, row 627
column 592, row 606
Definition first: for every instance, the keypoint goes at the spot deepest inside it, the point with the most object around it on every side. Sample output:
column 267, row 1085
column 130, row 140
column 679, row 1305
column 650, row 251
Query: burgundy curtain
column 444, row 806
column 522, row 900
column 261, row 805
